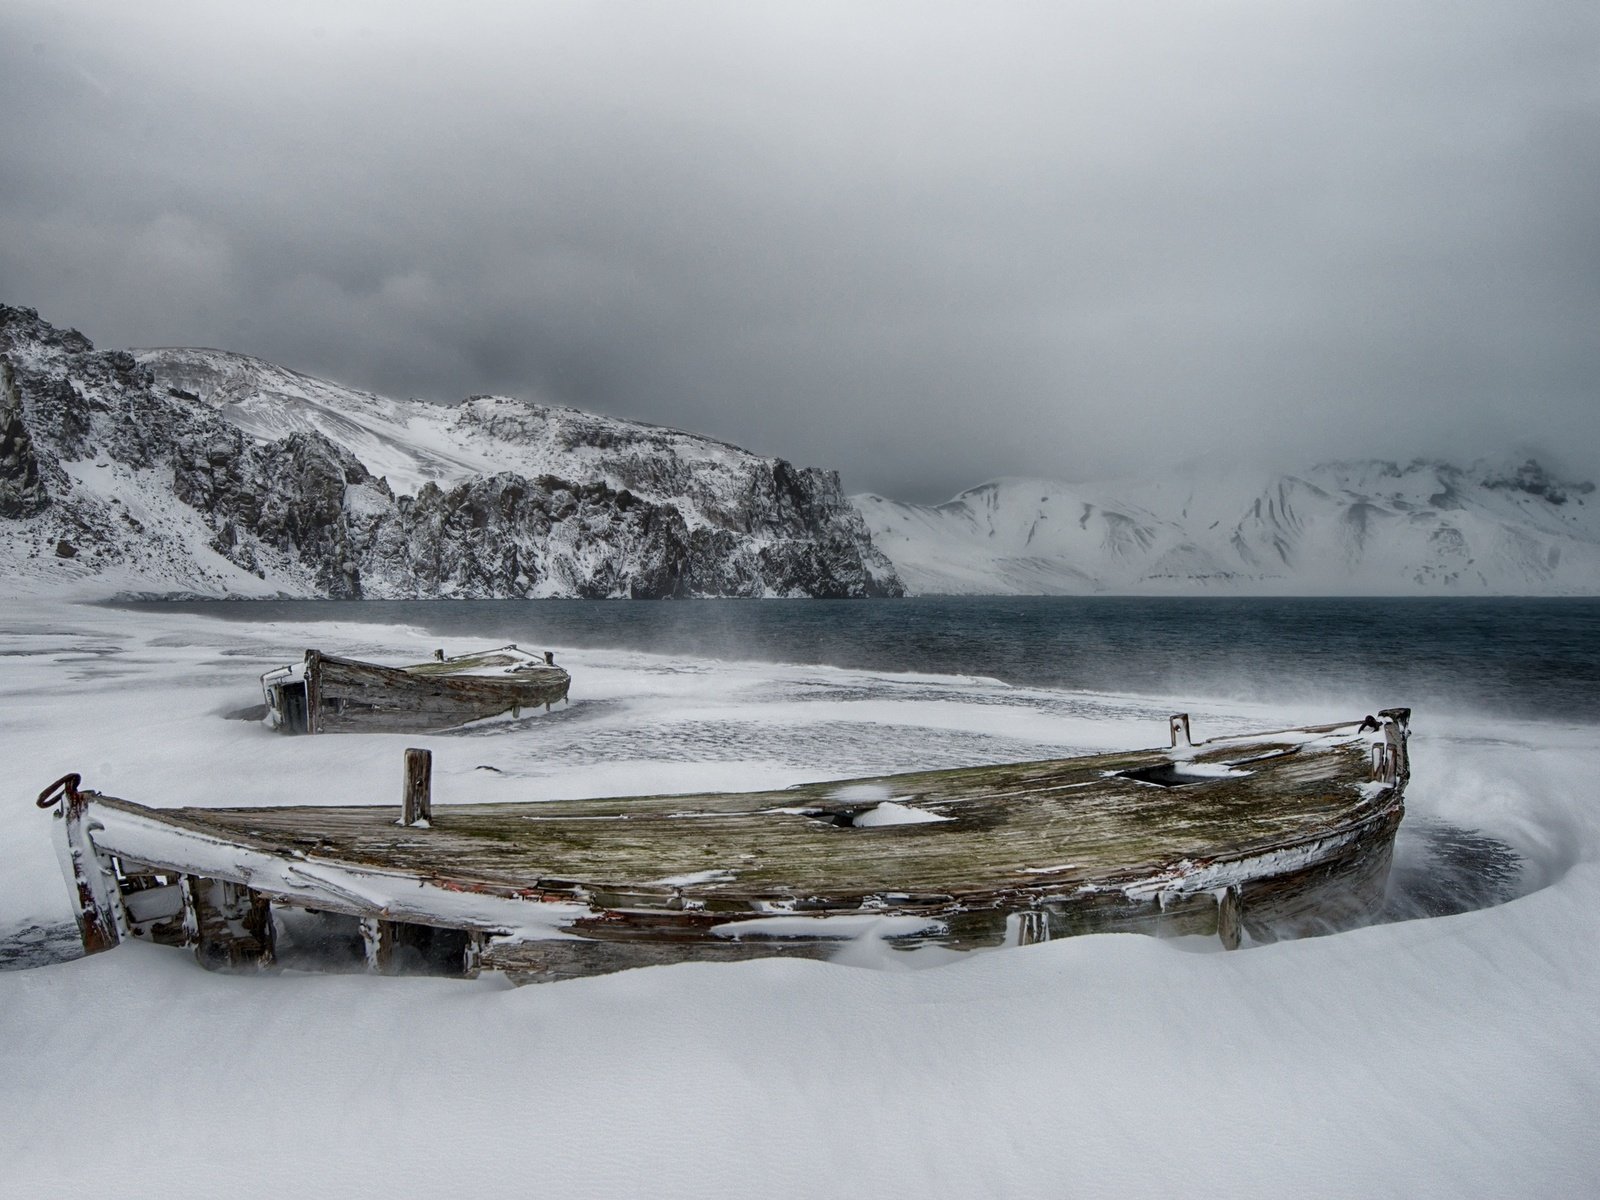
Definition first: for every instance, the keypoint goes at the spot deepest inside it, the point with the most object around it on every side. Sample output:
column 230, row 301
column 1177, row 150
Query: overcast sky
column 925, row 244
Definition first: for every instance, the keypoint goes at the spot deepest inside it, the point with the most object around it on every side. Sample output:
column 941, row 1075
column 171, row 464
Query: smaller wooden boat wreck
column 328, row 694
column 1267, row 836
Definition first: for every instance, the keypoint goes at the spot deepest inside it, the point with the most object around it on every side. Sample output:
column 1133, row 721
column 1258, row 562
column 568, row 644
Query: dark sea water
column 1526, row 658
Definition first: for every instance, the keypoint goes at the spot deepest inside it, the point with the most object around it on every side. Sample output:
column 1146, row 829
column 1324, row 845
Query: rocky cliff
column 203, row 472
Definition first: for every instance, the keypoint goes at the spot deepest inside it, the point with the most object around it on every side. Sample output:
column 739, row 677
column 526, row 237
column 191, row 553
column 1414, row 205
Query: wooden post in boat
column 1397, row 733
column 472, row 954
column 416, row 803
column 313, row 691
column 1389, row 756
column 1230, row 917
column 379, row 940
column 1178, row 725
column 1027, row 928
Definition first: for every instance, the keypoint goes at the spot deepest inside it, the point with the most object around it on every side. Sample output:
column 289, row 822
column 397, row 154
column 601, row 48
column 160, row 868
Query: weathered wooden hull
column 1341, row 888
column 1279, row 835
column 329, row 694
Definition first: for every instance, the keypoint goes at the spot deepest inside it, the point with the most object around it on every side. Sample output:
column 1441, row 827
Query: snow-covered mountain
column 412, row 443
column 1372, row 528
column 215, row 473
column 202, row 471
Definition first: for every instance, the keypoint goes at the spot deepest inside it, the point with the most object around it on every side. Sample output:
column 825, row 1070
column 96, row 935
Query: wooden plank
column 313, row 675
column 576, row 958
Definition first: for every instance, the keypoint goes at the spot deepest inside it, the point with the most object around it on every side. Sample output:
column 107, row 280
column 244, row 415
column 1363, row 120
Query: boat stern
column 286, row 691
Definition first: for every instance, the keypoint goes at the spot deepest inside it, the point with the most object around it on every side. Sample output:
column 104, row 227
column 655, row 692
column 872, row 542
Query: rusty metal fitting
column 64, row 788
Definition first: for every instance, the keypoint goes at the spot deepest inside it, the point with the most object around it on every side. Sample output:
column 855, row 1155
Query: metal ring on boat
column 66, row 786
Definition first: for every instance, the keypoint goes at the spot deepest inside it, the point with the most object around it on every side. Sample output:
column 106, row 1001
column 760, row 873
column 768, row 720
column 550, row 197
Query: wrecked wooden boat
column 1271, row 835
column 328, row 694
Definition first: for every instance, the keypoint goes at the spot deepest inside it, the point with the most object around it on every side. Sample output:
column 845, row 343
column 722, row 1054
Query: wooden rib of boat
column 1265, row 836
column 328, row 694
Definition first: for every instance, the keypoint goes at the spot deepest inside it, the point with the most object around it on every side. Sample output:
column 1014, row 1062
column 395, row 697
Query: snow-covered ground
column 1453, row 1056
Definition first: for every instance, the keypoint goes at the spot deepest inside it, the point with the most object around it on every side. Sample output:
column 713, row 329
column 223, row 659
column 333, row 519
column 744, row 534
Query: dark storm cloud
column 923, row 243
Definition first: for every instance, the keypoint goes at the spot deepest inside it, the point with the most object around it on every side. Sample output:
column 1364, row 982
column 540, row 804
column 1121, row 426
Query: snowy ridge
column 412, row 443
column 403, row 441
column 202, row 471
column 1337, row 528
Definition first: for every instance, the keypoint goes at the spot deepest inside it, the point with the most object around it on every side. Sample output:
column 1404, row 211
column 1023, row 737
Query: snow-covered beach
column 839, row 391
column 1449, row 1056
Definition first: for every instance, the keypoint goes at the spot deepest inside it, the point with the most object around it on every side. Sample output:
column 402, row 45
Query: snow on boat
column 327, row 694
column 1266, row 836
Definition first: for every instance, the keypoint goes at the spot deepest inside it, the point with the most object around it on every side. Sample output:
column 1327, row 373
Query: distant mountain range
column 1374, row 528
column 187, row 471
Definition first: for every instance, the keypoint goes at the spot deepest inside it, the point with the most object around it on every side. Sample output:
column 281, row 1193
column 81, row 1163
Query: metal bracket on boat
column 65, row 788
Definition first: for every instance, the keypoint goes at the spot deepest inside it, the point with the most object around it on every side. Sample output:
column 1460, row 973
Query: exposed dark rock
column 22, row 491
column 1532, row 478
column 303, row 513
